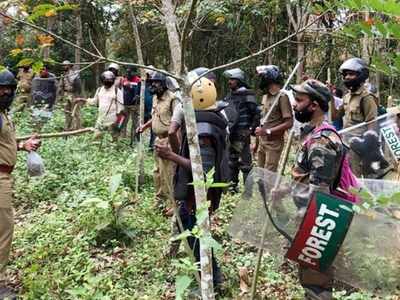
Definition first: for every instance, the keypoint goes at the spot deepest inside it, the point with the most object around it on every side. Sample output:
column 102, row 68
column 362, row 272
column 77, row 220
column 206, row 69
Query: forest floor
column 64, row 247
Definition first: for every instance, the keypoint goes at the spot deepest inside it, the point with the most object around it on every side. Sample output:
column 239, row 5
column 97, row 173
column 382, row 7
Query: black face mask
column 353, row 84
column 304, row 115
column 5, row 101
column 156, row 90
column 108, row 84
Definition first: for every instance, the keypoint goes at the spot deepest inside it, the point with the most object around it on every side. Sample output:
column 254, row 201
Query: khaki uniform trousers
column 163, row 177
column 6, row 219
column 269, row 154
column 72, row 112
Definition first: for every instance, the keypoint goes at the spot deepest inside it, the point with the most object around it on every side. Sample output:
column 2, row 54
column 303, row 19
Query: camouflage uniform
column 8, row 158
column 270, row 147
column 163, row 169
column 358, row 107
column 318, row 164
column 71, row 107
column 24, row 90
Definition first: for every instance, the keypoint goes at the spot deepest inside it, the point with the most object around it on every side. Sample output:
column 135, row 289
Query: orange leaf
column 19, row 40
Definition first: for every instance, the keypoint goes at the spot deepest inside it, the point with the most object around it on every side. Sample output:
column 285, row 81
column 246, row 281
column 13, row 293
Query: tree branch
column 240, row 60
column 185, row 33
column 87, row 51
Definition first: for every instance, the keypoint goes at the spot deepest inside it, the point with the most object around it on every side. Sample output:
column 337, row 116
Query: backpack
column 346, row 178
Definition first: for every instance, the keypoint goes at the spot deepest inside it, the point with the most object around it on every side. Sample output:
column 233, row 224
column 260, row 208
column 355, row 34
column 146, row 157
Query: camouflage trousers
column 72, row 111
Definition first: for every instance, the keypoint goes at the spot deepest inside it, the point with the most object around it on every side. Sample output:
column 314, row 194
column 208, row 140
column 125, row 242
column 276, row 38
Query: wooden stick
column 56, row 134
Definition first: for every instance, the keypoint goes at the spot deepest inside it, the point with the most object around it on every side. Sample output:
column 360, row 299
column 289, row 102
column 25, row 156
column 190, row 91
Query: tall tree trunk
column 300, row 55
column 207, row 290
column 173, row 35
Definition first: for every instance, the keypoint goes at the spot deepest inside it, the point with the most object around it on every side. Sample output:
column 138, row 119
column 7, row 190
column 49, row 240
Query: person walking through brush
column 70, row 88
column 319, row 163
column 24, row 99
column 280, row 118
column 164, row 102
column 8, row 159
column 110, row 102
column 243, row 101
column 359, row 104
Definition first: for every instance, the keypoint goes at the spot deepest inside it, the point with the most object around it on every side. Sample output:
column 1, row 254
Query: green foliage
column 49, row 10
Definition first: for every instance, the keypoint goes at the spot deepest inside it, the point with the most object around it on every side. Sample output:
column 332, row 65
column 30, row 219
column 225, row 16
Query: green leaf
column 182, row 236
column 202, row 212
column 181, row 285
column 115, row 182
column 219, row 185
column 91, row 201
column 209, row 242
column 25, row 62
column 37, row 66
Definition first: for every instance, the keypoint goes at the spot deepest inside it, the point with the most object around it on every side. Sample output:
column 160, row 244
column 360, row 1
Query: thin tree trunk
column 50, row 25
column 79, row 34
column 207, row 289
column 140, row 178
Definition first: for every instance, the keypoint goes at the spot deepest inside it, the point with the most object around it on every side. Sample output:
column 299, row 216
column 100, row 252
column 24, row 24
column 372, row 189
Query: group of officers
column 224, row 129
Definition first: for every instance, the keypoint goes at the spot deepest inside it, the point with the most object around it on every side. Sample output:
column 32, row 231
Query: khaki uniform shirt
column 67, row 81
column 282, row 110
column 25, row 80
column 8, row 143
column 359, row 106
column 162, row 113
column 8, row 156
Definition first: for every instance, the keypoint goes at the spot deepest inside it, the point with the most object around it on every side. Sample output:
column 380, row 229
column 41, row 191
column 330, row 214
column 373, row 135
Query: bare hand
column 260, row 131
column 32, row 144
column 82, row 100
column 163, row 151
column 140, row 129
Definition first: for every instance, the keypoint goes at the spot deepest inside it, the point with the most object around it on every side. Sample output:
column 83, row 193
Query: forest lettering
column 320, row 235
column 392, row 140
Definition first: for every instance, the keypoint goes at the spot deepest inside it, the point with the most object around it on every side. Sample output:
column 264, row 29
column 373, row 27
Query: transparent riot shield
column 320, row 231
column 375, row 146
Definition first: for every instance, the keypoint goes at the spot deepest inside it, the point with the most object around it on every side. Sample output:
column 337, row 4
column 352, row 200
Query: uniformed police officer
column 318, row 165
column 70, row 88
column 23, row 98
column 164, row 102
column 248, row 116
column 276, row 104
column 8, row 157
column 359, row 104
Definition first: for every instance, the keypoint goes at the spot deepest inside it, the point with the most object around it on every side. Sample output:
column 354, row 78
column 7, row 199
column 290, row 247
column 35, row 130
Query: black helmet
column 269, row 74
column 107, row 76
column 157, row 76
column 7, row 79
column 358, row 66
column 316, row 90
column 201, row 70
column 237, row 74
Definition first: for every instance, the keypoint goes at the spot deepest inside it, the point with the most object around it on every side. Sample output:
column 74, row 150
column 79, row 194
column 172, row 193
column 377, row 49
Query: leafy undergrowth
column 62, row 250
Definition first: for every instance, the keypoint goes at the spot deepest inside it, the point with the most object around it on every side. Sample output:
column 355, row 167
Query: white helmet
column 113, row 66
